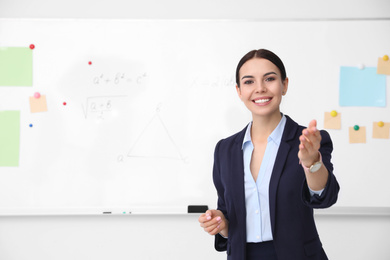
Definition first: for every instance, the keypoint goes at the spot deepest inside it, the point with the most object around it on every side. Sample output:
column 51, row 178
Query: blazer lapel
column 281, row 158
column 237, row 176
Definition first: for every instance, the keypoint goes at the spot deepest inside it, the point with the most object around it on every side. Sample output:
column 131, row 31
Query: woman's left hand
column 310, row 143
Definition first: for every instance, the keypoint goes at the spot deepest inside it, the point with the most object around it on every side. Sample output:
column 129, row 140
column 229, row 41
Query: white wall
column 355, row 237
column 178, row 236
column 200, row 9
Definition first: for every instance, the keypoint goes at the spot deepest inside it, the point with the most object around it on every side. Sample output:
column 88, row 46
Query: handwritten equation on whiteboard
column 101, row 106
column 119, row 79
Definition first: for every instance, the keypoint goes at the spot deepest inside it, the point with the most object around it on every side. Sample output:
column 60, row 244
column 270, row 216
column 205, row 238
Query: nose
column 261, row 88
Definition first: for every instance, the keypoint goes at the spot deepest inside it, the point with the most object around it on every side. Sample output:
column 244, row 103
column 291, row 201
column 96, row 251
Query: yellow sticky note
column 357, row 136
column 383, row 66
column 38, row 104
column 381, row 131
column 332, row 122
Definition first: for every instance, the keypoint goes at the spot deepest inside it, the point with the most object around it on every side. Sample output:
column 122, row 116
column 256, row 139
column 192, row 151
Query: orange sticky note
column 381, row 131
column 357, row 136
column 38, row 104
column 332, row 122
column 383, row 66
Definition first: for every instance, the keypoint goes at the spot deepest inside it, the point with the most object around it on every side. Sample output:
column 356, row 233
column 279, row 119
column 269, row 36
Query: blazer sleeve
column 330, row 193
column 220, row 242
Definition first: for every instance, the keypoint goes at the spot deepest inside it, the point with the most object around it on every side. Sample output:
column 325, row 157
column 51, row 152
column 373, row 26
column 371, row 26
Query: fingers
column 313, row 124
column 311, row 137
column 310, row 140
column 210, row 213
column 206, row 216
column 213, row 226
column 211, row 222
column 310, row 143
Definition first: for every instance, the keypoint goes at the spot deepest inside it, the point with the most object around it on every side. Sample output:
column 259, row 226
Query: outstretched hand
column 213, row 222
column 310, row 142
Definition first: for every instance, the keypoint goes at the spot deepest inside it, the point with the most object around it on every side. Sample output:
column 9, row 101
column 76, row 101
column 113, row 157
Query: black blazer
column 291, row 206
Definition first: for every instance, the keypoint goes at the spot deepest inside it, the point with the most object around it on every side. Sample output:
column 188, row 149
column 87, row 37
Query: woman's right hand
column 214, row 222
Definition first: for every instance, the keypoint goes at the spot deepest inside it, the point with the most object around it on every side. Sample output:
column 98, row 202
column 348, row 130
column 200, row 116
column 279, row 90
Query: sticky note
column 38, row 104
column 381, row 131
column 332, row 122
column 383, row 66
column 362, row 87
column 15, row 66
column 357, row 136
column 9, row 138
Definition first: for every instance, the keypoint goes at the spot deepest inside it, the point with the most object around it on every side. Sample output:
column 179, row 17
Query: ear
column 238, row 89
column 285, row 86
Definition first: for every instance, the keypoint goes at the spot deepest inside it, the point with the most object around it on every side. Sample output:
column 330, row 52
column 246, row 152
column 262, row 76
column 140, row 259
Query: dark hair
column 263, row 54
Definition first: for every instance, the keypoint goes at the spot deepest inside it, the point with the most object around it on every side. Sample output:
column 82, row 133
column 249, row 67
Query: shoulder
column 235, row 138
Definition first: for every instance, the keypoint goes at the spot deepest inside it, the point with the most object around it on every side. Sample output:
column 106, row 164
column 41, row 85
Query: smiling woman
column 261, row 85
column 270, row 175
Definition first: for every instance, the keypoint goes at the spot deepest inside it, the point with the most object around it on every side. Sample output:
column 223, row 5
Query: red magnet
column 37, row 95
column 32, row 46
column 64, row 103
column 90, row 62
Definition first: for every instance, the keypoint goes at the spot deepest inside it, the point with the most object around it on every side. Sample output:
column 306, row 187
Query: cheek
column 243, row 93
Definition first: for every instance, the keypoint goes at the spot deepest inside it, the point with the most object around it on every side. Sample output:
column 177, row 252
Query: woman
column 270, row 175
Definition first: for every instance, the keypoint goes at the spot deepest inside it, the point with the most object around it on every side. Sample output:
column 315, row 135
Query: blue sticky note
column 362, row 87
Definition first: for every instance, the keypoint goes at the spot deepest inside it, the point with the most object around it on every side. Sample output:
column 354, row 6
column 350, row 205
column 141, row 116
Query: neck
column 262, row 127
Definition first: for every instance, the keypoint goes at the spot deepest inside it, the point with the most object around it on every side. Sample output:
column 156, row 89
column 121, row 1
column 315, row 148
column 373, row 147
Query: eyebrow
column 266, row 74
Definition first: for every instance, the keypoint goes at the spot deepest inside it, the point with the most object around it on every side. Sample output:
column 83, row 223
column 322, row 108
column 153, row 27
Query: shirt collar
column 275, row 136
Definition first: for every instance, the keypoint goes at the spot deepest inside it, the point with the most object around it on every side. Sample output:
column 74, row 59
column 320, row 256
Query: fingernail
column 218, row 218
column 208, row 217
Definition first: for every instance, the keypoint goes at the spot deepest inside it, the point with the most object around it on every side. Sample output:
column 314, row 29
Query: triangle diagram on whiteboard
column 155, row 142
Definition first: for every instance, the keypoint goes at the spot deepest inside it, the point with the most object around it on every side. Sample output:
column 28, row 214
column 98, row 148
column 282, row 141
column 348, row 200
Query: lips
column 263, row 100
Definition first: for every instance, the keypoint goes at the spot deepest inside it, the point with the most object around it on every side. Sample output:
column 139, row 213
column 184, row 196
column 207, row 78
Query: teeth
column 262, row 100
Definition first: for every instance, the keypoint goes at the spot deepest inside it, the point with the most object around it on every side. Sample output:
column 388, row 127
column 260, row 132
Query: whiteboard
column 140, row 124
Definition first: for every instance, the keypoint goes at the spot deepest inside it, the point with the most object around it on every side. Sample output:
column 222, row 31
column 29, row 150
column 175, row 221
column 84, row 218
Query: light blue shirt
column 258, row 220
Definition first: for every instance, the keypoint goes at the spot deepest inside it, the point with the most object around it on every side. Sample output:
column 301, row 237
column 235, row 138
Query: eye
column 247, row 82
column 270, row 79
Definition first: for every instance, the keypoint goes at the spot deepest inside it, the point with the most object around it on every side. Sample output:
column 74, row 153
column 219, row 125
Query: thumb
column 212, row 213
column 313, row 123
column 209, row 214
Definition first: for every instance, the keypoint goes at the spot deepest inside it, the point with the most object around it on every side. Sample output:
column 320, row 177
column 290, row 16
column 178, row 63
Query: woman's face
column 261, row 87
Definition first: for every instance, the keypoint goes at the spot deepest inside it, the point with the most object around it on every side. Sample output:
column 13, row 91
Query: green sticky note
column 9, row 138
column 15, row 66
